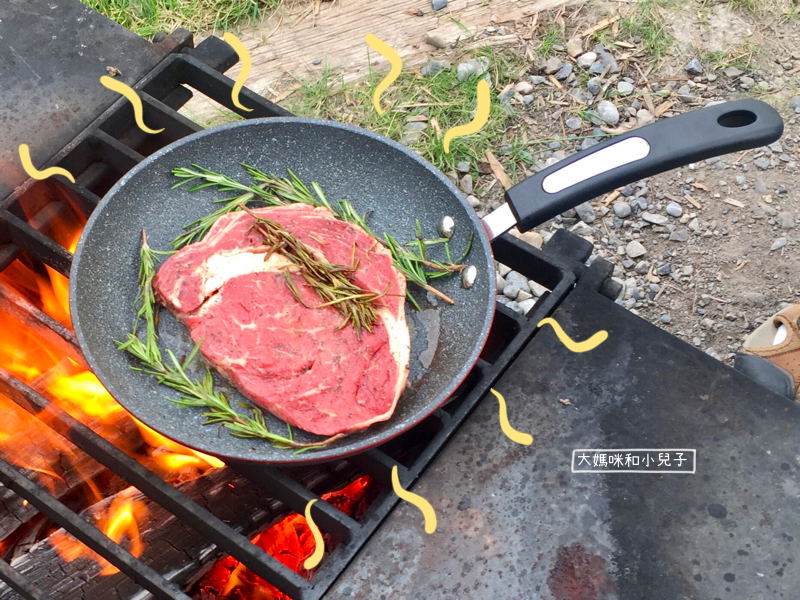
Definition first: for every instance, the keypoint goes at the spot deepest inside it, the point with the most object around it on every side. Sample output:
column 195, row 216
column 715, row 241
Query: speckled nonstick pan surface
column 372, row 172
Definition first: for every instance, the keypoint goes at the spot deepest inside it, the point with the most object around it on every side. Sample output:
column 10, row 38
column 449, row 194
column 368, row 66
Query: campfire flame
column 53, row 462
column 290, row 541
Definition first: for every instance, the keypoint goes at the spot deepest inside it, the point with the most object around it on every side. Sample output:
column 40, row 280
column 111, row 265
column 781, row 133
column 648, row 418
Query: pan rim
column 337, row 451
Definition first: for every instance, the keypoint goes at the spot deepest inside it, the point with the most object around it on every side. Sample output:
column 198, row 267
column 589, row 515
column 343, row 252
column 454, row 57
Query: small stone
column 527, row 98
column 594, row 85
column 503, row 269
column 533, row 238
column 462, row 167
column 787, row 220
column 761, row 187
column 654, row 218
column 438, row 4
column 473, row 201
column 778, row 244
column 586, row 60
column 517, row 279
column 416, row 126
column 466, row 184
column 688, row 270
column 573, row 123
column 434, row 67
column 536, row 288
column 746, row 82
column 551, row 65
column 674, row 209
column 755, row 299
column 524, row 295
column 794, row 102
column 761, row 163
column 500, row 282
column 574, row 47
column 524, row 87
column 564, row 72
column 635, row 249
column 732, row 72
column 644, row 117
column 666, row 319
column 685, row 94
column 694, row 67
column 712, row 353
column 706, row 323
column 316, row 61
column 622, row 209
column 585, row 212
column 536, row 79
column 624, row 88
column 608, row 112
column 679, row 235
column 510, row 290
column 435, row 40
column 464, row 71
column 606, row 58
column 526, row 305
column 588, row 143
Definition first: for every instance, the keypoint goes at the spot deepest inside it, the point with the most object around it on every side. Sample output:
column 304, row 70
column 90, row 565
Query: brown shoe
column 775, row 365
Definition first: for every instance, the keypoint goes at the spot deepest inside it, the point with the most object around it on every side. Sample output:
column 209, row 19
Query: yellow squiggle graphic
column 319, row 546
column 397, row 65
column 526, row 439
column 27, row 164
column 416, row 500
column 481, row 116
column 247, row 62
column 584, row 346
column 133, row 98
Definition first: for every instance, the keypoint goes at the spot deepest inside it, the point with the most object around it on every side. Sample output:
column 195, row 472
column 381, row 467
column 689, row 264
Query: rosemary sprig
column 279, row 191
column 333, row 283
column 197, row 393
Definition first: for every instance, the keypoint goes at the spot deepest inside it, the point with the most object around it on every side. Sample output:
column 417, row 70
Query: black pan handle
column 665, row 145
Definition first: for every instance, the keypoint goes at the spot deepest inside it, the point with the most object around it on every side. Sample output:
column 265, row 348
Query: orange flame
column 120, row 523
column 39, row 364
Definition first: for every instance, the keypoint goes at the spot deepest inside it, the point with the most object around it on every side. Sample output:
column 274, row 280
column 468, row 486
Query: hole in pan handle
column 627, row 158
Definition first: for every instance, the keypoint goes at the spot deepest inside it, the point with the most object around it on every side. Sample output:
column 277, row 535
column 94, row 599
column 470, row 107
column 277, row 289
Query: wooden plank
column 285, row 45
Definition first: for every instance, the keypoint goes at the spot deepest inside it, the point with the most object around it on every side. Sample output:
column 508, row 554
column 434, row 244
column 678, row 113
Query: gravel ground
column 708, row 251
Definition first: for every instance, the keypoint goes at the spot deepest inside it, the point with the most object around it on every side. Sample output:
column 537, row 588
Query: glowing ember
column 32, row 445
column 290, row 541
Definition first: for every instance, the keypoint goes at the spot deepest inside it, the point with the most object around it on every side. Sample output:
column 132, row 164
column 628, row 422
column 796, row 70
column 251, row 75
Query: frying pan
column 399, row 187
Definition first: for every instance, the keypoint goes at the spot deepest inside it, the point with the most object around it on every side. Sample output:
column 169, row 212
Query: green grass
column 148, row 17
column 647, row 22
column 739, row 56
column 447, row 100
column 551, row 36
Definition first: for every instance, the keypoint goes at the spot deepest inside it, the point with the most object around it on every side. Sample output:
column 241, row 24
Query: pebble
column 794, row 102
column 755, row 299
column 674, row 209
column 516, row 279
column 564, row 72
column 761, row 163
column 622, row 209
column 624, row 88
column 534, row 238
column 787, row 220
column 527, row 98
column 605, row 59
column 524, row 87
column 694, row 67
column 746, row 82
column 316, row 61
column 573, row 123
column 524, row 295
column 462, row 167
column 679, row 235
column 536, row 79
column 594, row 85
column 666, row 319
column 585, row 212
column 435, row 41
column 438, row 4
column 761, row 187
column 634, row 249
column 778, row 244
column 588, row 143
column 466, row 184
column 474, row 66
column 574, row 47
column 712, row 353
column 685, row 94
column 551, row 65
column 500, row 282
column 608, row 112
column 536, row 289
column 644, row 117
column 732, row 72
column 654, row 218
column 526, row 305
column 586, row 60
column 434, row 67
column 473, row 201
column 503, row 269
column 510, row 291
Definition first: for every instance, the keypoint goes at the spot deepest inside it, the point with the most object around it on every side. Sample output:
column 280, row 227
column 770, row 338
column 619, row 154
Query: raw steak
column 288, row 358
